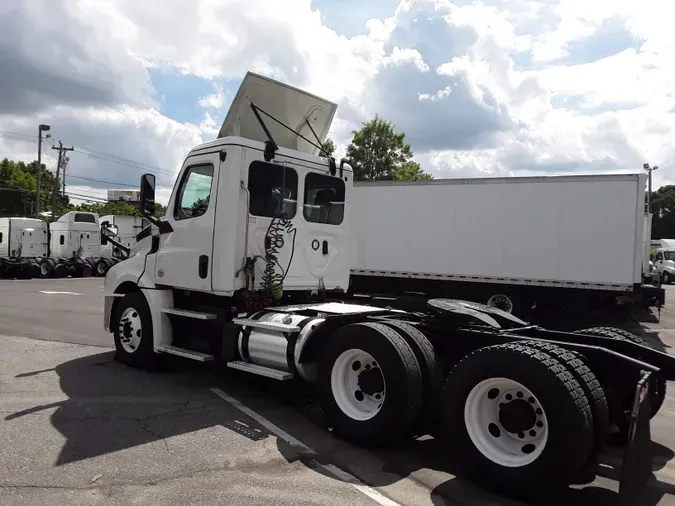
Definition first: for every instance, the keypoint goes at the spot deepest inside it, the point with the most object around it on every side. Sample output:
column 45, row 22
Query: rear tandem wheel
column 518, row 421
column 369, row 383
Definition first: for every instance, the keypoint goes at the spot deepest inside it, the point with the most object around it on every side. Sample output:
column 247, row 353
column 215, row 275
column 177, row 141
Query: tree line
column 18, row 185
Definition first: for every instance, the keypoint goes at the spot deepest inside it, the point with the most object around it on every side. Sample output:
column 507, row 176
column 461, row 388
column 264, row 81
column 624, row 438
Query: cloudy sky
column 481, row 88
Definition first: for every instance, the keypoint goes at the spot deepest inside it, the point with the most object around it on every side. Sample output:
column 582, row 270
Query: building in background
column 128, row 196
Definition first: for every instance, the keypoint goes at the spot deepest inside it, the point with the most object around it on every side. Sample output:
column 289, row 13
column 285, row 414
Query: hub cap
column 130, row 330
column 506, row 422
column 100, row 268
column 358, row 385
column 501, row 301
column 44, row 269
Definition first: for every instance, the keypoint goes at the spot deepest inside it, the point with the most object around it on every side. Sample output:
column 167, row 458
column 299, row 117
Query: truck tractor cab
column 23, row 242
column 27, row 238
column 128, row 227
column 664, row 261
column 76, row 234
column 257, row 214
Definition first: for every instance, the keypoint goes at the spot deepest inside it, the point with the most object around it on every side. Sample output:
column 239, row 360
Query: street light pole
column 41, row 128
column 649, row 170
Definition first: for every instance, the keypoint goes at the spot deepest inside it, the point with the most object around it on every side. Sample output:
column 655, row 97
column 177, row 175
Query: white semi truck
column 516, row 243
column 23, row 243
column 70, row 246
column 250, row 267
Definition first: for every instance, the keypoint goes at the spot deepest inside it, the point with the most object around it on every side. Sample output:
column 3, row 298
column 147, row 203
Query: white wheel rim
column 130, row 330
column 44, row 269
column 358, row 385
column 101, row 268
column 501, row 301
column 500, row 434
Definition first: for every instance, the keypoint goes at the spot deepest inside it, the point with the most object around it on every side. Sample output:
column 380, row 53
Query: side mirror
column 109, row 230
column 146, row 205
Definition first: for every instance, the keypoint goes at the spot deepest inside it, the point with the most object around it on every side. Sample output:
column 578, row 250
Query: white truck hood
column 289, row 105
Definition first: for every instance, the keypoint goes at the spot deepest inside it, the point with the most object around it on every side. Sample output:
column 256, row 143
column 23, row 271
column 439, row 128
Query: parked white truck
column 23, row 243
column 249, row 268
column 70, row 246
column 513, row 243
column 127, row 228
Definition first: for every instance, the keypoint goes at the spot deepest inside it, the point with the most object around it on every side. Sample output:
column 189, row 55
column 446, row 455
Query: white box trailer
column 509, row 242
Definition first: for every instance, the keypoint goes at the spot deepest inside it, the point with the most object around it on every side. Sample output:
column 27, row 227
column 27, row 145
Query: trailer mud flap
column 637, row 461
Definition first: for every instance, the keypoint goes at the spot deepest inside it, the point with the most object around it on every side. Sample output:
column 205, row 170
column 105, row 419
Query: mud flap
column 637, row 460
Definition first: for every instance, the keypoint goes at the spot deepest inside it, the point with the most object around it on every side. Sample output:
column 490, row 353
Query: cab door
column 184, row 259
column 327, row 240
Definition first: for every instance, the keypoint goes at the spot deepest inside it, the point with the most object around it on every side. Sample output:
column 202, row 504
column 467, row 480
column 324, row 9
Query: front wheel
column 518, row 421
column 132, row 330
column 369, row 383
column 666, row 278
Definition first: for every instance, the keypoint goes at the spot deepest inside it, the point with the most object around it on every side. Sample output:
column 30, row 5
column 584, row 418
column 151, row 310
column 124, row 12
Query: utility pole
column 649, row 170
column 60, row 163
column 41, row 128
column 65, row 166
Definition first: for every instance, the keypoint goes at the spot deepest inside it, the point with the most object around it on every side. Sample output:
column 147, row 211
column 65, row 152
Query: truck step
column 279, row 327
column 184, row 352
column 189, row 314
column 260, row 370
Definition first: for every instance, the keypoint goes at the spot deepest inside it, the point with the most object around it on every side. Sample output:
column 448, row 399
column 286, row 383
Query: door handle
column 325, row 248
column 203, row 266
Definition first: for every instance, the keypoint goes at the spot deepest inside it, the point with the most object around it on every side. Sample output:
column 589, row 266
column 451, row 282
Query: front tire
column 369, row 383
column 132, row 330
column 517, row 419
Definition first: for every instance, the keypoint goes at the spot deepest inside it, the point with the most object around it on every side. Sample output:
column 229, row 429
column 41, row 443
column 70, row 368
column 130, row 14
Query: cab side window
column 194, row 192
column 659, row 256
column 324, row 199
column 273, row 190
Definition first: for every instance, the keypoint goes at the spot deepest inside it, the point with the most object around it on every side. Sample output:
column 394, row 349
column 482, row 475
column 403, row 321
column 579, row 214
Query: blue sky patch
column 179, row 94
column 349, row 17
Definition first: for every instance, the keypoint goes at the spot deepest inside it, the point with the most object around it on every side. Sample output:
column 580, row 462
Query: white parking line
column 50, row 292
column 285, row 436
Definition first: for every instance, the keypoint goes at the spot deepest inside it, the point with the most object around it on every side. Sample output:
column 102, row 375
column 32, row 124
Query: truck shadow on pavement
column 111, row 408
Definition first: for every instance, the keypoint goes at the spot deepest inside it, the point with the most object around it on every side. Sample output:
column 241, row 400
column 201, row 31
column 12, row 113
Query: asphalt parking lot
column 78, row 428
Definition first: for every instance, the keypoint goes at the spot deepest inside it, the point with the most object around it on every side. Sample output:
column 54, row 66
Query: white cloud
column 499, row 87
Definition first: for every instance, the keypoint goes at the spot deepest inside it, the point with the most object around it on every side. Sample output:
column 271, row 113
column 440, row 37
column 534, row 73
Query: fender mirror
column 146, row 204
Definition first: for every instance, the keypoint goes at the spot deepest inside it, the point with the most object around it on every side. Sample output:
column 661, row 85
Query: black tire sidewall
column 556, row 465
column 101, row 266
column 144, row 354
column 400, row 405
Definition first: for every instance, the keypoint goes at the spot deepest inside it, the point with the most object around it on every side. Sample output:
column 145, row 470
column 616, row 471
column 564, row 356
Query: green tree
column 411, row 171
column 663, row 209
column 329, row 146
column 378, row 152
column 18, row 184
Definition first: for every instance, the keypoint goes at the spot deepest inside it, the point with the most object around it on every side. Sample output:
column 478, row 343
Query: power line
column 104, row 182
column 95, row 153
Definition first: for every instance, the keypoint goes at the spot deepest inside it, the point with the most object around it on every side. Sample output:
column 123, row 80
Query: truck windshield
column 669, row 255
column 84, row 218
column 324, row 199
